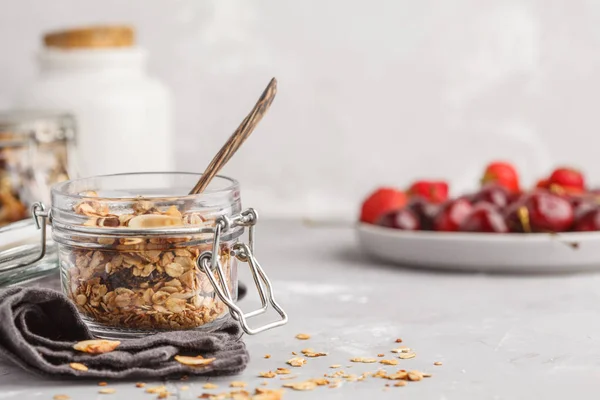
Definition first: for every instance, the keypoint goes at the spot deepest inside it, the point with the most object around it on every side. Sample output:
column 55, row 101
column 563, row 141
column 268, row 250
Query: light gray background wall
column 371, row 92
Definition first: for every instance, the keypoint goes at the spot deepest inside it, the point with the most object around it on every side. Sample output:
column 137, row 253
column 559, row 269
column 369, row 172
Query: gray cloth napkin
column 38, row 328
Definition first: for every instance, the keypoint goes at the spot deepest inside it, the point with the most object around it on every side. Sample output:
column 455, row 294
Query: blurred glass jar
column 123, row 115
column 34, row 155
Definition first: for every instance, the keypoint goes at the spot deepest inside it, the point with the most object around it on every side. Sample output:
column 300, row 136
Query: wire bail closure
column 209, row 263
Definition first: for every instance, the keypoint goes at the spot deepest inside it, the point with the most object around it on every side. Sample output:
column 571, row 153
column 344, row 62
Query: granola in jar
column 143, row 283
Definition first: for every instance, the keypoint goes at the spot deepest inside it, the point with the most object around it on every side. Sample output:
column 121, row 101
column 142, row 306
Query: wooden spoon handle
column 238, row 137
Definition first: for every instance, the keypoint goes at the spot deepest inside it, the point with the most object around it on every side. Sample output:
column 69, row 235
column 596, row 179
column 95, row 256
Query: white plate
column 512, row 252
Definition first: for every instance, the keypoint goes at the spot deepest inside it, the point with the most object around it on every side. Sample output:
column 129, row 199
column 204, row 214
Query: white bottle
column 123, row 115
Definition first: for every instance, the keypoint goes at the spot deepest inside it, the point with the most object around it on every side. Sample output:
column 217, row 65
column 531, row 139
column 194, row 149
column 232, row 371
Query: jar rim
column 61, row 188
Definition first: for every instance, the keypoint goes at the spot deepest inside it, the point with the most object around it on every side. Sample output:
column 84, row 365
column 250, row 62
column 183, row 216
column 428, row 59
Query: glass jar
column 34, row 149
column 138, row 255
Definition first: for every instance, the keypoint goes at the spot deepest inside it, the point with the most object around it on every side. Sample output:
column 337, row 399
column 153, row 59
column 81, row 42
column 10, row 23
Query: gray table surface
column 499, row 337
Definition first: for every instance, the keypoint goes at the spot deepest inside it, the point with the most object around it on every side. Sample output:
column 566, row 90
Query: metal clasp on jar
column 209, row 263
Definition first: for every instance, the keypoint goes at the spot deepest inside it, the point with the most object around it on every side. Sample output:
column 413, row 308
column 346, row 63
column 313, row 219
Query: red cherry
column 484, row 218
column 589, row 221
column 399, row 219
column 380, row 202
column 424, row 211
column 432, row 191
column 549, row 212
column 493, row 194
column 570, row 179
column 451, row 215
column 502, row 173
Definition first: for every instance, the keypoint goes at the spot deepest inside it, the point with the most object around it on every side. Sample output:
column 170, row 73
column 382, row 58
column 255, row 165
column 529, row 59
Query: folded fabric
column 40, row 326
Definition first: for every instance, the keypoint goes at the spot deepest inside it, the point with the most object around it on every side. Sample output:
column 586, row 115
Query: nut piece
column 308, row 385
column 209, row 386
column 363, row 360
column 406, row 356
column 238, row 384
column 415, row 376
column 140, row 385
column 302, row 336
column 389, row 362
column 96, row 346
column 194, row 361
column 102, row 383
column 269, row 374
column 154, row 221
column 398, row 340
column 296, row 361
column 78, row 367
column 106, row 391
column 267, row 356
column 400, row 383
column 438, row 363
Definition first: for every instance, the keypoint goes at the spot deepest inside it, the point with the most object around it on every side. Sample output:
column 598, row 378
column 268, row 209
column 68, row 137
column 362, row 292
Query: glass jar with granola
column 138, row 255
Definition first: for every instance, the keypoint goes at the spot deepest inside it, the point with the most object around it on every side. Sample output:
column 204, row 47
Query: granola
column 145, row 282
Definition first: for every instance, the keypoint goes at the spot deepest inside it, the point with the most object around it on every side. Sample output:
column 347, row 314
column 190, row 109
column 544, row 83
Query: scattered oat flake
column 106, row 391
column 267, row 356
column 415, row 375
column 194, row 361
column 406, row 356
column 61, row 397
column 287, row 378
column 269, row 374
column 380, row 355
column 389, row 362
column 308, row 385
column 238, row 384
column 282, row 371
column 335, row 385
column 102, row 383
column 296, row 361
column 264, row 383
column 335, row 366
column 398, row 340
column 156, row 389
column 363, row 360
column 320, row 381
column 313, row 353
column 267, row 394
column 438, row 363
column 78, row 367
column 140, row 385
column 302, row 336
column 163, row 395
column 184, row 388
column 401, row 349
column 426, row 375
column 400, row 383
column 209, row 386
column 96, row 346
